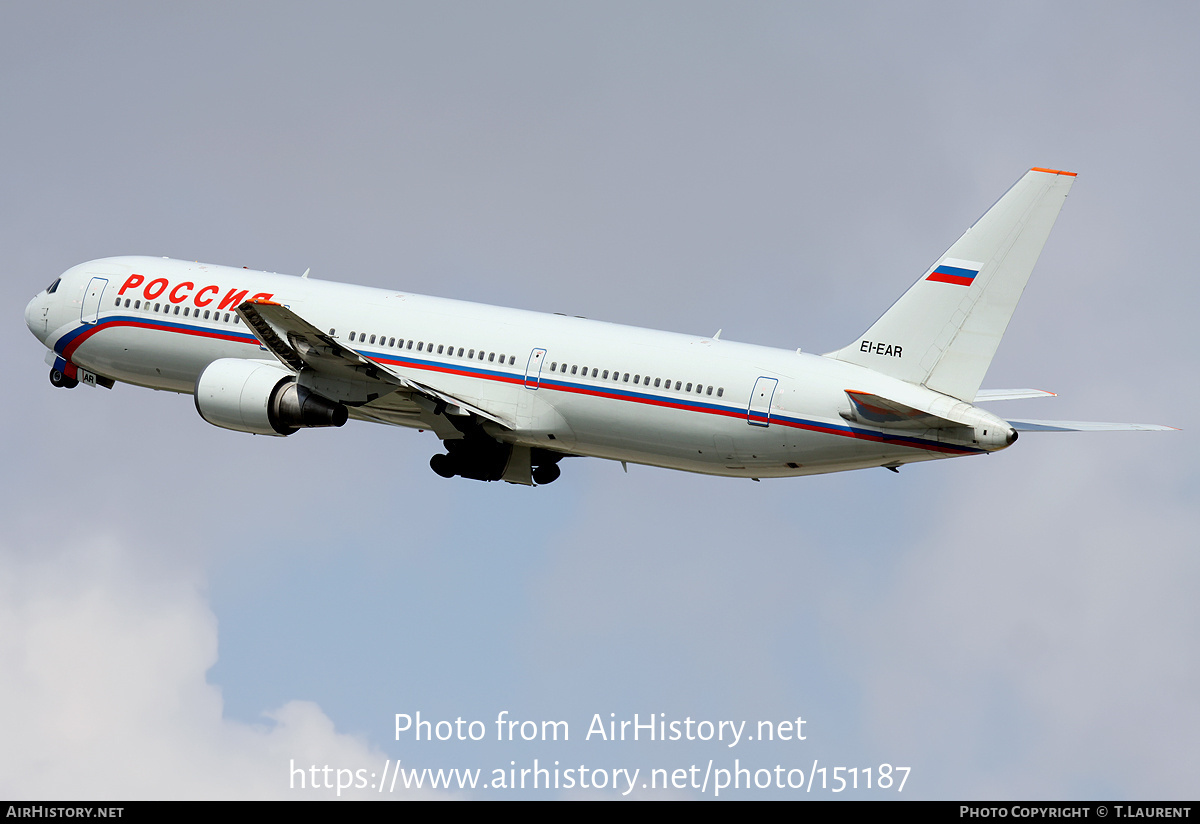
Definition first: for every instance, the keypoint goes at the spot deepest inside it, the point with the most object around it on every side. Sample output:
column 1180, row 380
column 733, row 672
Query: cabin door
column 758, row 413
column 91, row 300
column 533, row 369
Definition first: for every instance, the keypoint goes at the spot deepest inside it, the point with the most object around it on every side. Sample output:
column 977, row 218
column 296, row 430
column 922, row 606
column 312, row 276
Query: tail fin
column 943, row 332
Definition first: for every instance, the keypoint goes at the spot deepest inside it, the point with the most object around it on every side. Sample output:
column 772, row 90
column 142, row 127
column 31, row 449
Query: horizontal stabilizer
column 881, row 411
column 984, row 395
column 1087, row 426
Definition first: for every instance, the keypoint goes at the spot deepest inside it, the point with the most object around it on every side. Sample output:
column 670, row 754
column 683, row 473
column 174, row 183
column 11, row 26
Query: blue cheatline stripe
column 953, row 274
column 956, row 271
column 70, row 341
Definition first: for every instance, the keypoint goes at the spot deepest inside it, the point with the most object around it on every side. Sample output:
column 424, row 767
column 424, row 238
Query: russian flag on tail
column 958, row 272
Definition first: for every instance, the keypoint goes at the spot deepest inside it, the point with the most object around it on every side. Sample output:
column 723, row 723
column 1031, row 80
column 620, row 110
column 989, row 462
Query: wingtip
column 1053, row 171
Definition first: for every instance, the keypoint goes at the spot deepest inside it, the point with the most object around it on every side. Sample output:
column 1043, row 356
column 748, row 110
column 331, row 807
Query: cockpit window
column 53, row 287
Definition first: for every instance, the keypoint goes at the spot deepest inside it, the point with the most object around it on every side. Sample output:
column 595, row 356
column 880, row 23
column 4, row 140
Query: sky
column 189, row 612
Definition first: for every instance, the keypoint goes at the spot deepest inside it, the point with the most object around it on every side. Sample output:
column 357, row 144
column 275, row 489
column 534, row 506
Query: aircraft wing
column 338, row 369
column 300, row 345
column 1086, row 426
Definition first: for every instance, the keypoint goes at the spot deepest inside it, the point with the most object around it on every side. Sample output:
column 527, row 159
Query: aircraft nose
column 35, row 316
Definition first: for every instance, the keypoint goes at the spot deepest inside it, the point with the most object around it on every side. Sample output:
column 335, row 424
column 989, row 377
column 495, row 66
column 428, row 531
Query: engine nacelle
column 261, row 398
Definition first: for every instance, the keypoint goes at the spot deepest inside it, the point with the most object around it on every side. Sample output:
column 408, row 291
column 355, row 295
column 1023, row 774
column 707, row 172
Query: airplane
column 510, row 392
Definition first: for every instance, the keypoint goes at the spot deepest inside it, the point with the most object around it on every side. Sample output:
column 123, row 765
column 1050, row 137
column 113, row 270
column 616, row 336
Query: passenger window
column 574, row 370
column 156, row 307
column 227, row 317
column 177, row 310
column 118, row 304
column 492, row 357
column 186, row 309
column 689, row 387
column 420, row 346
column 656, row 380
column 410, row 343
column 372, row 338
column 392, row 342
column 709, row 392
column 512, row 359
column 137, row 304
column 594, row 371
column 626, row 377
column 440, row 348
column 721, row 392
column 352, row 337
column 206, row 314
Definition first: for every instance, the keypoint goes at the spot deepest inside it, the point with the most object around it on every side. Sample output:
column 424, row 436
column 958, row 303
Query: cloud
column 1045, row 626
column 103, row 657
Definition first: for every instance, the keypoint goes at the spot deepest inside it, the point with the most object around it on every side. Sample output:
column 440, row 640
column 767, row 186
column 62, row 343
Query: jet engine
column 261, row 398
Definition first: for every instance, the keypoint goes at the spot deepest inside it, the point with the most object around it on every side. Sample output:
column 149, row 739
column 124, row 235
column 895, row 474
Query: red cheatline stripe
column 957, row 280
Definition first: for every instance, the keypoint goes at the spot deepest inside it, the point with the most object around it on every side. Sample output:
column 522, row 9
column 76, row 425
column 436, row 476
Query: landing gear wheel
column 443, row 465
column 546, row 474
column 59, row 379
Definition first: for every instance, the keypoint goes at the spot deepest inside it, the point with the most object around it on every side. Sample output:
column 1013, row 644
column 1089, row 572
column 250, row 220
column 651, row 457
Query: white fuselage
column 570, row 385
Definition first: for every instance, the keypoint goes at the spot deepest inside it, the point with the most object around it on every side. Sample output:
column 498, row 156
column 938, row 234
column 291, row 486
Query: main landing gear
column 487, row 459
column 59, row 378
column 546, row 474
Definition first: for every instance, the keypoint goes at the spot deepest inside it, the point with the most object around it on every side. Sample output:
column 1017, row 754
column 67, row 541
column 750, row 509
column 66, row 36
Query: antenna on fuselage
column 306, row 271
